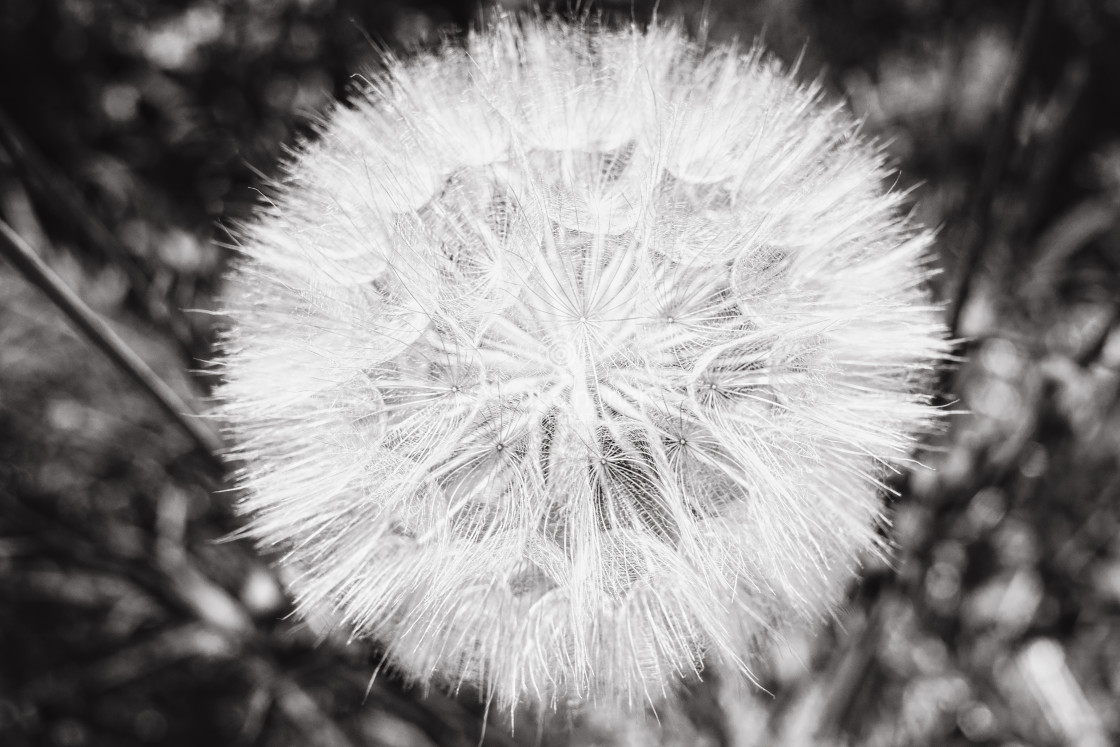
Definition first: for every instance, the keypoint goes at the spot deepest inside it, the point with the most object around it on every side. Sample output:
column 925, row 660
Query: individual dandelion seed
column 570, row 363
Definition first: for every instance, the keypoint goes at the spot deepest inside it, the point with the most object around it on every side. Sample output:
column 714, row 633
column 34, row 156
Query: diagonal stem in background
column 979, row 218
column 64, row 205
column 31, row 266
column 857, row 661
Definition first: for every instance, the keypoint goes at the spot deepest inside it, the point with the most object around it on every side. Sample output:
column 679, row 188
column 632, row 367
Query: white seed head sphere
column 569, row 362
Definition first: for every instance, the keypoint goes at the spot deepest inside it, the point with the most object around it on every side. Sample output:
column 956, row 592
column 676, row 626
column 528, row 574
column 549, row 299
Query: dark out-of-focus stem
column 978, row 225
column 857, row 662
column 101, row 335
column 51, row 192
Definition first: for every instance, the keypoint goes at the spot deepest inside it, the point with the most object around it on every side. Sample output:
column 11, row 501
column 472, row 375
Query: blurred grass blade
column 999, row 150
column 32, row 267
column 62, row 202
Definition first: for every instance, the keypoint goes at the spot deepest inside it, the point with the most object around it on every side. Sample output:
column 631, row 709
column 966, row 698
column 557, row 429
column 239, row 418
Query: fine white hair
column 571, row 361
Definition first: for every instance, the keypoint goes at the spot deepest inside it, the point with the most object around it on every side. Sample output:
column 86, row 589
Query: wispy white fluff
column 570, row 363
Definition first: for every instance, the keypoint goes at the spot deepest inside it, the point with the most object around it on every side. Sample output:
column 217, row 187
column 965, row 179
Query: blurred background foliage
column 132, row 132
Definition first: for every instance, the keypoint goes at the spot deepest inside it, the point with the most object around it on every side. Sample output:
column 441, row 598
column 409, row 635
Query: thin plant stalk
column 32, row 267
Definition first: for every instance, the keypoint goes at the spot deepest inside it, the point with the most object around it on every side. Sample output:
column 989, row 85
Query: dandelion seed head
column 569, row 363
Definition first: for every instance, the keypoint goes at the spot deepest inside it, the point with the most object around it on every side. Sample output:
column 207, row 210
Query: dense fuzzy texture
column 570, row 363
